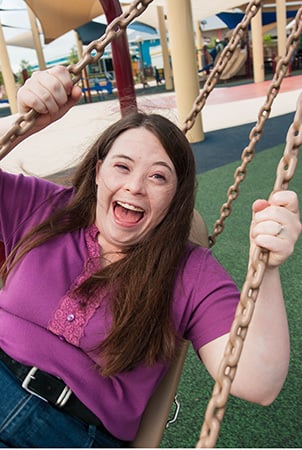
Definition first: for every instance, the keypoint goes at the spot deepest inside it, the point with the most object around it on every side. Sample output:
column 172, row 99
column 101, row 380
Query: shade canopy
column 136, row 30
column 24, row 40
column 201, row 9
column 232, row 19
column 90, row 31
column 57, row 17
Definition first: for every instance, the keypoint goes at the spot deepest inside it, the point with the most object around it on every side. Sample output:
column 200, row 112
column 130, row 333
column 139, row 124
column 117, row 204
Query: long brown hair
column 141, row 283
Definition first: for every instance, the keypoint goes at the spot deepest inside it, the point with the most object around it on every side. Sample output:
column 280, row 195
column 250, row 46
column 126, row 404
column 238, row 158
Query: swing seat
column 156, row 415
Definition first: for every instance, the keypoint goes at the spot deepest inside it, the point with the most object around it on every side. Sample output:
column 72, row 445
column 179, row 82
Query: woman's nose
column 135, row 184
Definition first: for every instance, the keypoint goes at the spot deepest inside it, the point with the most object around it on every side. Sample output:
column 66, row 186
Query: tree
column 73, row 56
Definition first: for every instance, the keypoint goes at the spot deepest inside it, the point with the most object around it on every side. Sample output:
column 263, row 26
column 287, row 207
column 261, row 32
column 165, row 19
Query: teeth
column 131, row 207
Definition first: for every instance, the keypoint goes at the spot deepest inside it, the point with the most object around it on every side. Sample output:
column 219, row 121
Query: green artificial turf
column 245, row 424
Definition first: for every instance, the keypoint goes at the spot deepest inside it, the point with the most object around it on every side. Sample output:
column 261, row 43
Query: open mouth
column 127, row 213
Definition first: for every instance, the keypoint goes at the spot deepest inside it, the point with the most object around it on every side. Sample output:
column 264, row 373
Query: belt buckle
column 62, row 398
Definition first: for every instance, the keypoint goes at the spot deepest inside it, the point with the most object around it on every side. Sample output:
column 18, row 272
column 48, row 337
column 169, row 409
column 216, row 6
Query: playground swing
column 155, row 417
column 285, row 171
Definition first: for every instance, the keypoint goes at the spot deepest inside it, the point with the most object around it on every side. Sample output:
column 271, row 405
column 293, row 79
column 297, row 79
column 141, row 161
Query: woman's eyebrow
column 163, row 163
column 123, row 156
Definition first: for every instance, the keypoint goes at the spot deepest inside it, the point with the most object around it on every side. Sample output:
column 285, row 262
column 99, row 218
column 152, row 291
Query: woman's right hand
column 51, row 93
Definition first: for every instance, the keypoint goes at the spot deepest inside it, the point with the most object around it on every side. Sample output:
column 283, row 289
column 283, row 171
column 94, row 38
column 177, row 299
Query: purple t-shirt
column 42, row 325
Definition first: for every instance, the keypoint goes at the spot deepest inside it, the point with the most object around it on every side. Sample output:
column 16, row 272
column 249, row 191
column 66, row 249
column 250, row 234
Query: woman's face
column 136, row 183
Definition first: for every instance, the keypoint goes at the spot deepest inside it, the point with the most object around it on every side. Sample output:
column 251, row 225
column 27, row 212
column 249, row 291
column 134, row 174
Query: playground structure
column 100, row 86
column 233, row 67
column 235, row 64
column 183, row 51
column 286, row 168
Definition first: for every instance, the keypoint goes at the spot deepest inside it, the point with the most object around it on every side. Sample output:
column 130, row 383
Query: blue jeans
column 27, row 421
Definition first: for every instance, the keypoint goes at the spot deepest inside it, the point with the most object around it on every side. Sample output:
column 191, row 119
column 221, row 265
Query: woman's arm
column 51, row 93
column 264, row 361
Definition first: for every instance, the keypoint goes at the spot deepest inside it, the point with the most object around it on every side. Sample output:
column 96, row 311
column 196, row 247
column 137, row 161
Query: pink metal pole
column 121, row 60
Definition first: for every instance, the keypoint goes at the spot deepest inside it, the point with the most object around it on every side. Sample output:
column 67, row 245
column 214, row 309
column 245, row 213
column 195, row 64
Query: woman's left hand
column 276, row 225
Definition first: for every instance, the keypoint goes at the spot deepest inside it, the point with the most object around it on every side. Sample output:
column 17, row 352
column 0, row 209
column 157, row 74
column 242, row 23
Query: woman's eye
column 122, row 167
column 159, row 176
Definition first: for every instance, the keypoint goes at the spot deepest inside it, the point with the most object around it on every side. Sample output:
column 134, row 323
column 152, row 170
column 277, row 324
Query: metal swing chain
column 225, row 56
column 92, row 54
column 256, row 267
column 263, row 115
column 257, row 264
column 256, row 132
column 287, row 164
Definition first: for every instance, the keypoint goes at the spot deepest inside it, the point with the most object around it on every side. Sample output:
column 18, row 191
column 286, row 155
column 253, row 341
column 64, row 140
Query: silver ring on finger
column 281, row 229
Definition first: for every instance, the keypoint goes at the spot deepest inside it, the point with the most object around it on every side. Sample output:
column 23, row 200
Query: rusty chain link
column 257, row 264
column 92, row 53
column 287, row 164
column 95, row 49
column 256, row 132
column 258, row 260
column 221, row 63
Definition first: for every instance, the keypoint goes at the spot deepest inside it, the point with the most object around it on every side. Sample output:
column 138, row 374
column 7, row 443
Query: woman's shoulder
column 205, row 297
column 199, row 264
column 196, row 255
column 28, row 186
column 27, row 200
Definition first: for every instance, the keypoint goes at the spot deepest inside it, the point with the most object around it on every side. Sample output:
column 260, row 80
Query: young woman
column 101, row 283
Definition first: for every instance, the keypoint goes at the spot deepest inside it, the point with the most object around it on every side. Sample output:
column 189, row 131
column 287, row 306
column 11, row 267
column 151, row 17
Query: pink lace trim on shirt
column 71, row 317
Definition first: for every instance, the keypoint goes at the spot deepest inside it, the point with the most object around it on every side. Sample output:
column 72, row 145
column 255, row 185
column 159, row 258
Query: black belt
column 51, row 389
